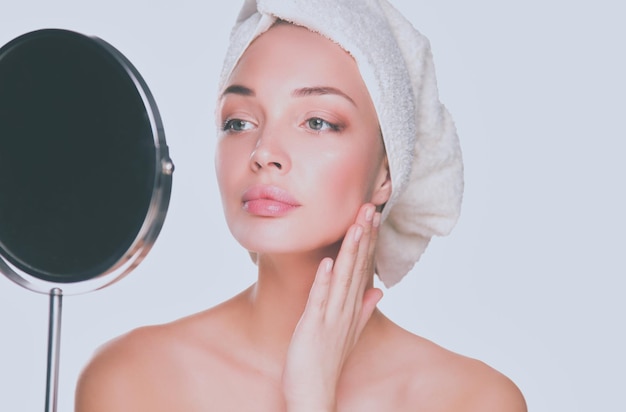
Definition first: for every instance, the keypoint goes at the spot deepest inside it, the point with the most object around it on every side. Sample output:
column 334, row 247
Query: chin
column 288, row 235
column 276, row 245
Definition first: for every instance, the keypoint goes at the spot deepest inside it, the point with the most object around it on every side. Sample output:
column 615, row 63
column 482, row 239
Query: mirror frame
column 159, row 202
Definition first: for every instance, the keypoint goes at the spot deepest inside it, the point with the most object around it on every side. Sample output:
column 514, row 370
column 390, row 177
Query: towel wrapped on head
column 421, row 143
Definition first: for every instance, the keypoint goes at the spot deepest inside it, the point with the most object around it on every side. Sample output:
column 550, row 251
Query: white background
column 532, row 279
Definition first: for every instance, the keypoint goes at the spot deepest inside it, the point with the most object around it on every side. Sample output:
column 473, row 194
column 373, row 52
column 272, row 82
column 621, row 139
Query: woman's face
column 299, row 144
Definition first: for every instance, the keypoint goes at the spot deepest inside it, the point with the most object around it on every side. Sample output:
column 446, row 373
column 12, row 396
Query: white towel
column 420, row 138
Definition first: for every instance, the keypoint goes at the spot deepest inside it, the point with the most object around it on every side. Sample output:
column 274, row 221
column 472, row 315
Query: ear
column 382, row 185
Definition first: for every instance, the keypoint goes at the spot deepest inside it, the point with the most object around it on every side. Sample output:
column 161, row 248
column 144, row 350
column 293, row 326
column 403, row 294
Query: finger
column 374, row 237
column 371, row 253
column 351, row 273
column 318, row 296
column 365, row 255
column 344, row 265
column 351, row 254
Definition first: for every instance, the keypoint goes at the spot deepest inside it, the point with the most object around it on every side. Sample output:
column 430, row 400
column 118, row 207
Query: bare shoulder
column 492, row 391
column 152, row 367
column 426, row 376
column 470, row 384
column 116, row 373
column 477, row 386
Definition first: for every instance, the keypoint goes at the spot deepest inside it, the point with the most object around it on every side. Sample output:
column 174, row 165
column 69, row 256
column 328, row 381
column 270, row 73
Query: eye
column 319, row 125
column 237, row 125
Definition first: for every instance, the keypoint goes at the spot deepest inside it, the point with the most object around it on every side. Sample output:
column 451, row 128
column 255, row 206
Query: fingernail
column 369, row 213
column 376, row 220
column 358, row 231
column 329, row 265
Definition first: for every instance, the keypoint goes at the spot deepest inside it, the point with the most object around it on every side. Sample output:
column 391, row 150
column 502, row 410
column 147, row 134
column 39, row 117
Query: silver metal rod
column 54, row 346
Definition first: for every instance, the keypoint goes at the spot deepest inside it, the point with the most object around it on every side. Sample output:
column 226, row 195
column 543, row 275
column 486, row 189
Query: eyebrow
column 320, row 91
column 301, row 92
column 238, row 89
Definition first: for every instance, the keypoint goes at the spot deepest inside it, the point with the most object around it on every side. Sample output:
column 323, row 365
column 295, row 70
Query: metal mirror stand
column 85, row 172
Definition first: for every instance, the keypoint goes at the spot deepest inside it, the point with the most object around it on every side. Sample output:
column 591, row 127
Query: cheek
column 352, row 174
column 343, row 183
column 229, row 161
column 220, row 163
column 344, row 191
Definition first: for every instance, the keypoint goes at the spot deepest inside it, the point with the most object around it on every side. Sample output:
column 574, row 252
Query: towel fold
column 420, row 138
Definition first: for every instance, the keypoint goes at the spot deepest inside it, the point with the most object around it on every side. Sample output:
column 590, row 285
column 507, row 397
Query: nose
column 270, row 154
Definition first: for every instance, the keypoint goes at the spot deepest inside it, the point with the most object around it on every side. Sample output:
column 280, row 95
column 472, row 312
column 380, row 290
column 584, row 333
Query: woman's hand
column 336, row 312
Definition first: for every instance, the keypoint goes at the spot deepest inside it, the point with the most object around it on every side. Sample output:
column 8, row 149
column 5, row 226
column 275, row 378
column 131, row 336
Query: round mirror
column 85, row 174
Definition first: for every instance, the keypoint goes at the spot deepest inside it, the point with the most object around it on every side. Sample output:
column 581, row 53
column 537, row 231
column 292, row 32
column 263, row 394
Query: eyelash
column 227, row 126
column 331, row 126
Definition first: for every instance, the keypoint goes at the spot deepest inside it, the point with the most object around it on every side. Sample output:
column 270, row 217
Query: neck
column 278, row 299
column 282, row 288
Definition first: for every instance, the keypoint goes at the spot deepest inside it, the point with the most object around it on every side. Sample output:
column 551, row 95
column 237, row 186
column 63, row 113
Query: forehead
column 292, row 56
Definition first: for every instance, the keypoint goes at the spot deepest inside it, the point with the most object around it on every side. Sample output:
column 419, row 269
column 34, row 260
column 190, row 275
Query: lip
column 268, row 201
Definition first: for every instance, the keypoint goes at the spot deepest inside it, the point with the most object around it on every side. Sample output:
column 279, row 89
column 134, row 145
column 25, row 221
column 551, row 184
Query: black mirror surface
column 85, row 175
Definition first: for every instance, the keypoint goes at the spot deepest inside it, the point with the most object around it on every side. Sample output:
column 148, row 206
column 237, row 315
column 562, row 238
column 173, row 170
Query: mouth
column 268, row 201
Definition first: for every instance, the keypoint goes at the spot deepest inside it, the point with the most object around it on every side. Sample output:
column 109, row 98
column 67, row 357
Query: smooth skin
column 307, row 335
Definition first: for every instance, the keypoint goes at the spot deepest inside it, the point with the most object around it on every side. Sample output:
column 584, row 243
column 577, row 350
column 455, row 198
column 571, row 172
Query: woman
column 307, row 183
